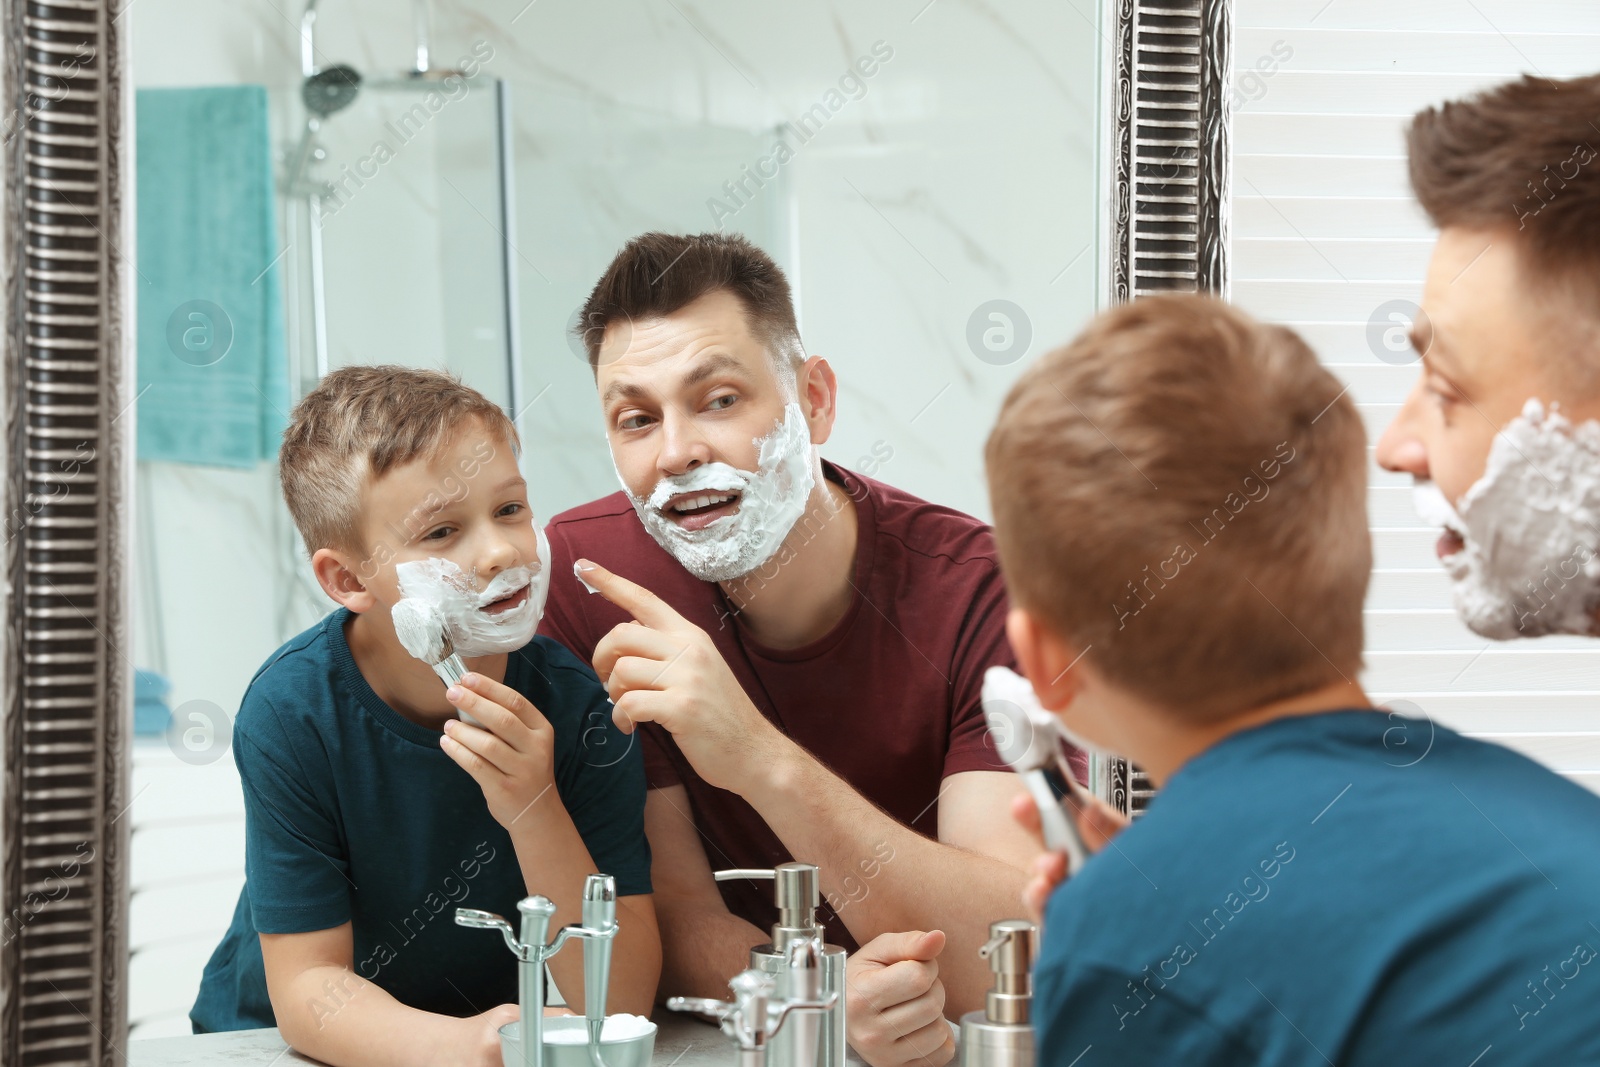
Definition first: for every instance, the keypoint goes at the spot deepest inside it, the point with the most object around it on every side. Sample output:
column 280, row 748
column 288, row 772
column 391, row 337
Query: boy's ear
column 340, row 580
column 1046, row 660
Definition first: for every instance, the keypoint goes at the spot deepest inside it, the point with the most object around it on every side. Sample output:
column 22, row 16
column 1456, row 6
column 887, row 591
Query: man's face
column 468, row 505
column 688, row 389
column 1486, row 339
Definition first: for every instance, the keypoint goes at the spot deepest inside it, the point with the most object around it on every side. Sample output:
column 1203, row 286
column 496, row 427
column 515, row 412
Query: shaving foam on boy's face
column 482, row 618
column 721, row 522
column 1526, row 535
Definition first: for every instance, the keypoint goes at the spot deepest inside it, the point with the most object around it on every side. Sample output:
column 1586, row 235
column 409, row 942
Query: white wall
column 1325, row 232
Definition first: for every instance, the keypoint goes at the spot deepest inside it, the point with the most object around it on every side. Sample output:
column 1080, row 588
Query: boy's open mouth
column 697, row 510
column 513, row 599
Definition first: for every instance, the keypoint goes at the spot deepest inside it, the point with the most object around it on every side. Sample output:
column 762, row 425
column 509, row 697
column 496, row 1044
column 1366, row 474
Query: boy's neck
column 1158, row 743
column 802, row 592
column 403, row 682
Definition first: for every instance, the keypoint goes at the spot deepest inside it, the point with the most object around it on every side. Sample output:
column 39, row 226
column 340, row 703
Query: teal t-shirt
column 1347, row 887
column 354, row 814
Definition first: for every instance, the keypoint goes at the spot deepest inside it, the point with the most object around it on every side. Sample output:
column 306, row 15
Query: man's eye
column 722, row 402
column 634, row 422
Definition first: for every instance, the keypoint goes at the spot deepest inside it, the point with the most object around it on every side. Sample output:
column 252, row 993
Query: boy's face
column 467, row 505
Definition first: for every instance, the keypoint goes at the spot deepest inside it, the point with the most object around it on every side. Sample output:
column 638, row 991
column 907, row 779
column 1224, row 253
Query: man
column 1306, row 888
column 1498, row 431
column 801, row 647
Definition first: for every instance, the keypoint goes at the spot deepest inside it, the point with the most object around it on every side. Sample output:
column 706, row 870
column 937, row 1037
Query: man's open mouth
column 1449, row 544
column 695, row 511
column 513, row 599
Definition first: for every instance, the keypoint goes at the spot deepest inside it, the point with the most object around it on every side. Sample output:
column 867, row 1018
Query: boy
column 372, row 812
column 1184, row 491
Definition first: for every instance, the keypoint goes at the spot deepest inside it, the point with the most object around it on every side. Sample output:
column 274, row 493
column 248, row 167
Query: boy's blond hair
column 1181, row 493
column 361, row 422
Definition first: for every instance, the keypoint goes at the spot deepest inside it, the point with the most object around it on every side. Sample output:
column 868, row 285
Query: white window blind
column 1324, row 235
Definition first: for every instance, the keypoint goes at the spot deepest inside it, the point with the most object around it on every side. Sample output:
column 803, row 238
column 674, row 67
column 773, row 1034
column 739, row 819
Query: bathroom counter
column 680, row 1042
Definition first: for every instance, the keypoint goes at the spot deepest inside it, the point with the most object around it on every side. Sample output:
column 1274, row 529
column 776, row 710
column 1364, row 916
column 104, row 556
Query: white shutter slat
column 1324, row 232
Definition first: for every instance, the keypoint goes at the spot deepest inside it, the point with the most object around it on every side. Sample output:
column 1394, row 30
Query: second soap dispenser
column 1001, row 1034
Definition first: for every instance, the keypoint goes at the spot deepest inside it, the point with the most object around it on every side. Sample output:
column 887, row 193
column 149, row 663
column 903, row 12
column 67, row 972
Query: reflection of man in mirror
column 801, row 647
column 1499, row 431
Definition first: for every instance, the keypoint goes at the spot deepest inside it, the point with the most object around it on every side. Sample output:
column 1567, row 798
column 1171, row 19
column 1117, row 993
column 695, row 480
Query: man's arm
column 703, row 944
column 661, row 668
column 328, row 1012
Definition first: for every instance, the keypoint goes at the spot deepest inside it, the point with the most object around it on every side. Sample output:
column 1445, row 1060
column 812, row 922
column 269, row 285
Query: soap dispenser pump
column 808, row 1042
column 1001, row 1034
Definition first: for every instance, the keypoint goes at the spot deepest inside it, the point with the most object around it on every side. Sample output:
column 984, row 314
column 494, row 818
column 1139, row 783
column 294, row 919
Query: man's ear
column 1046, row 660
column 819, row 397
column 341, row 581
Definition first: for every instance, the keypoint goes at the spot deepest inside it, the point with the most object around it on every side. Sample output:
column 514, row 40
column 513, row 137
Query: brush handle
column 1060, row 829
column 450, row 671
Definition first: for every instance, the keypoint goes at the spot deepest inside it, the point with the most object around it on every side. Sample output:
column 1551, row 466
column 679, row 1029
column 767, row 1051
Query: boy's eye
column 511, row 509
column 438, row 533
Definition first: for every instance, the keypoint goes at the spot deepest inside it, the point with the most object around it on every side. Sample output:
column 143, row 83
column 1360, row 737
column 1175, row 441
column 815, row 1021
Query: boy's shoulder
column 300, row 677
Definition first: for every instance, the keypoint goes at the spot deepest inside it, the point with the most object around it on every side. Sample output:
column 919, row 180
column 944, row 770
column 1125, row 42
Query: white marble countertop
column 680, row 1042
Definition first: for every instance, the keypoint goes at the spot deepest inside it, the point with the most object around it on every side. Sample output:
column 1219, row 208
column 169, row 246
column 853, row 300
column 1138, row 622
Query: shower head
column 330, row 89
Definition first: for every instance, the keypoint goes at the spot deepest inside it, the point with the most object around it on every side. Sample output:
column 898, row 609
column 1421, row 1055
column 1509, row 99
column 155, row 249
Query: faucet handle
column 717, row 1009
column 737, row 874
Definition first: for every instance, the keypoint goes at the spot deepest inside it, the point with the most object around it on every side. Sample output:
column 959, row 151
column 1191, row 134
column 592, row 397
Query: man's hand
column 1098, row 822
column 662, row 668
column 894, row 1007
column 511, row 755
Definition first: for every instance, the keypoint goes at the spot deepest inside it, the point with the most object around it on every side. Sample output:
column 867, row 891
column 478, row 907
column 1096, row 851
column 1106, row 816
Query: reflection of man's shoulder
column 943, row 535
column 607, row 510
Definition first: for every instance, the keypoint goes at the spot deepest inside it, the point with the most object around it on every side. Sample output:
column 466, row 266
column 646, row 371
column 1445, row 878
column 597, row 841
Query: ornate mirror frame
column 1166, row 72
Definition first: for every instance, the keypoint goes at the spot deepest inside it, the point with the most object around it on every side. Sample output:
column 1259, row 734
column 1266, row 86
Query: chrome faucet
column 756, row 1015
column 598, row 930
column 818, row 1042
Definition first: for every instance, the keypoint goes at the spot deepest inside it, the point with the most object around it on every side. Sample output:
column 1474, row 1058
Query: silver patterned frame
column 1166, row 165
column 64, row 720
column 64, row 680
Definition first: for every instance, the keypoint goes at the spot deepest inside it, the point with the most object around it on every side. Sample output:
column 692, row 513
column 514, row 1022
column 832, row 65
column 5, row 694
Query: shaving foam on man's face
column 721, row 522
column 1522, row 544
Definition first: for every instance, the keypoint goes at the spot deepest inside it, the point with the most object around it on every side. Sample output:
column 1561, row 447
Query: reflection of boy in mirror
column 803, row 646
column 371, row 811
column 1498, row 431
column 1317, row 881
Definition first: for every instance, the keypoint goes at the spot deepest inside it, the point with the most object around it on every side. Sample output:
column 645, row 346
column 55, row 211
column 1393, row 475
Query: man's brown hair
column 1522, row 156
column 657, row 274
column 1181, row 493
column 358, row 424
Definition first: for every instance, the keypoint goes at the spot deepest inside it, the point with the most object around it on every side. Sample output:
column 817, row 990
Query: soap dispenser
column 1001, row 1034
column 809, row 1042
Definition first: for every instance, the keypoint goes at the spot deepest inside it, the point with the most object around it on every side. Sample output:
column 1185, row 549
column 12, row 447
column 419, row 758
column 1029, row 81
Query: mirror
column 441, row 185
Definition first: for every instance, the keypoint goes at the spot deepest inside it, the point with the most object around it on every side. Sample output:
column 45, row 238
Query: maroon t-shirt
column 889, row 700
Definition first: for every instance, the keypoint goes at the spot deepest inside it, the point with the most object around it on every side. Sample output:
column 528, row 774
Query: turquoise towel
column 213, row 374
